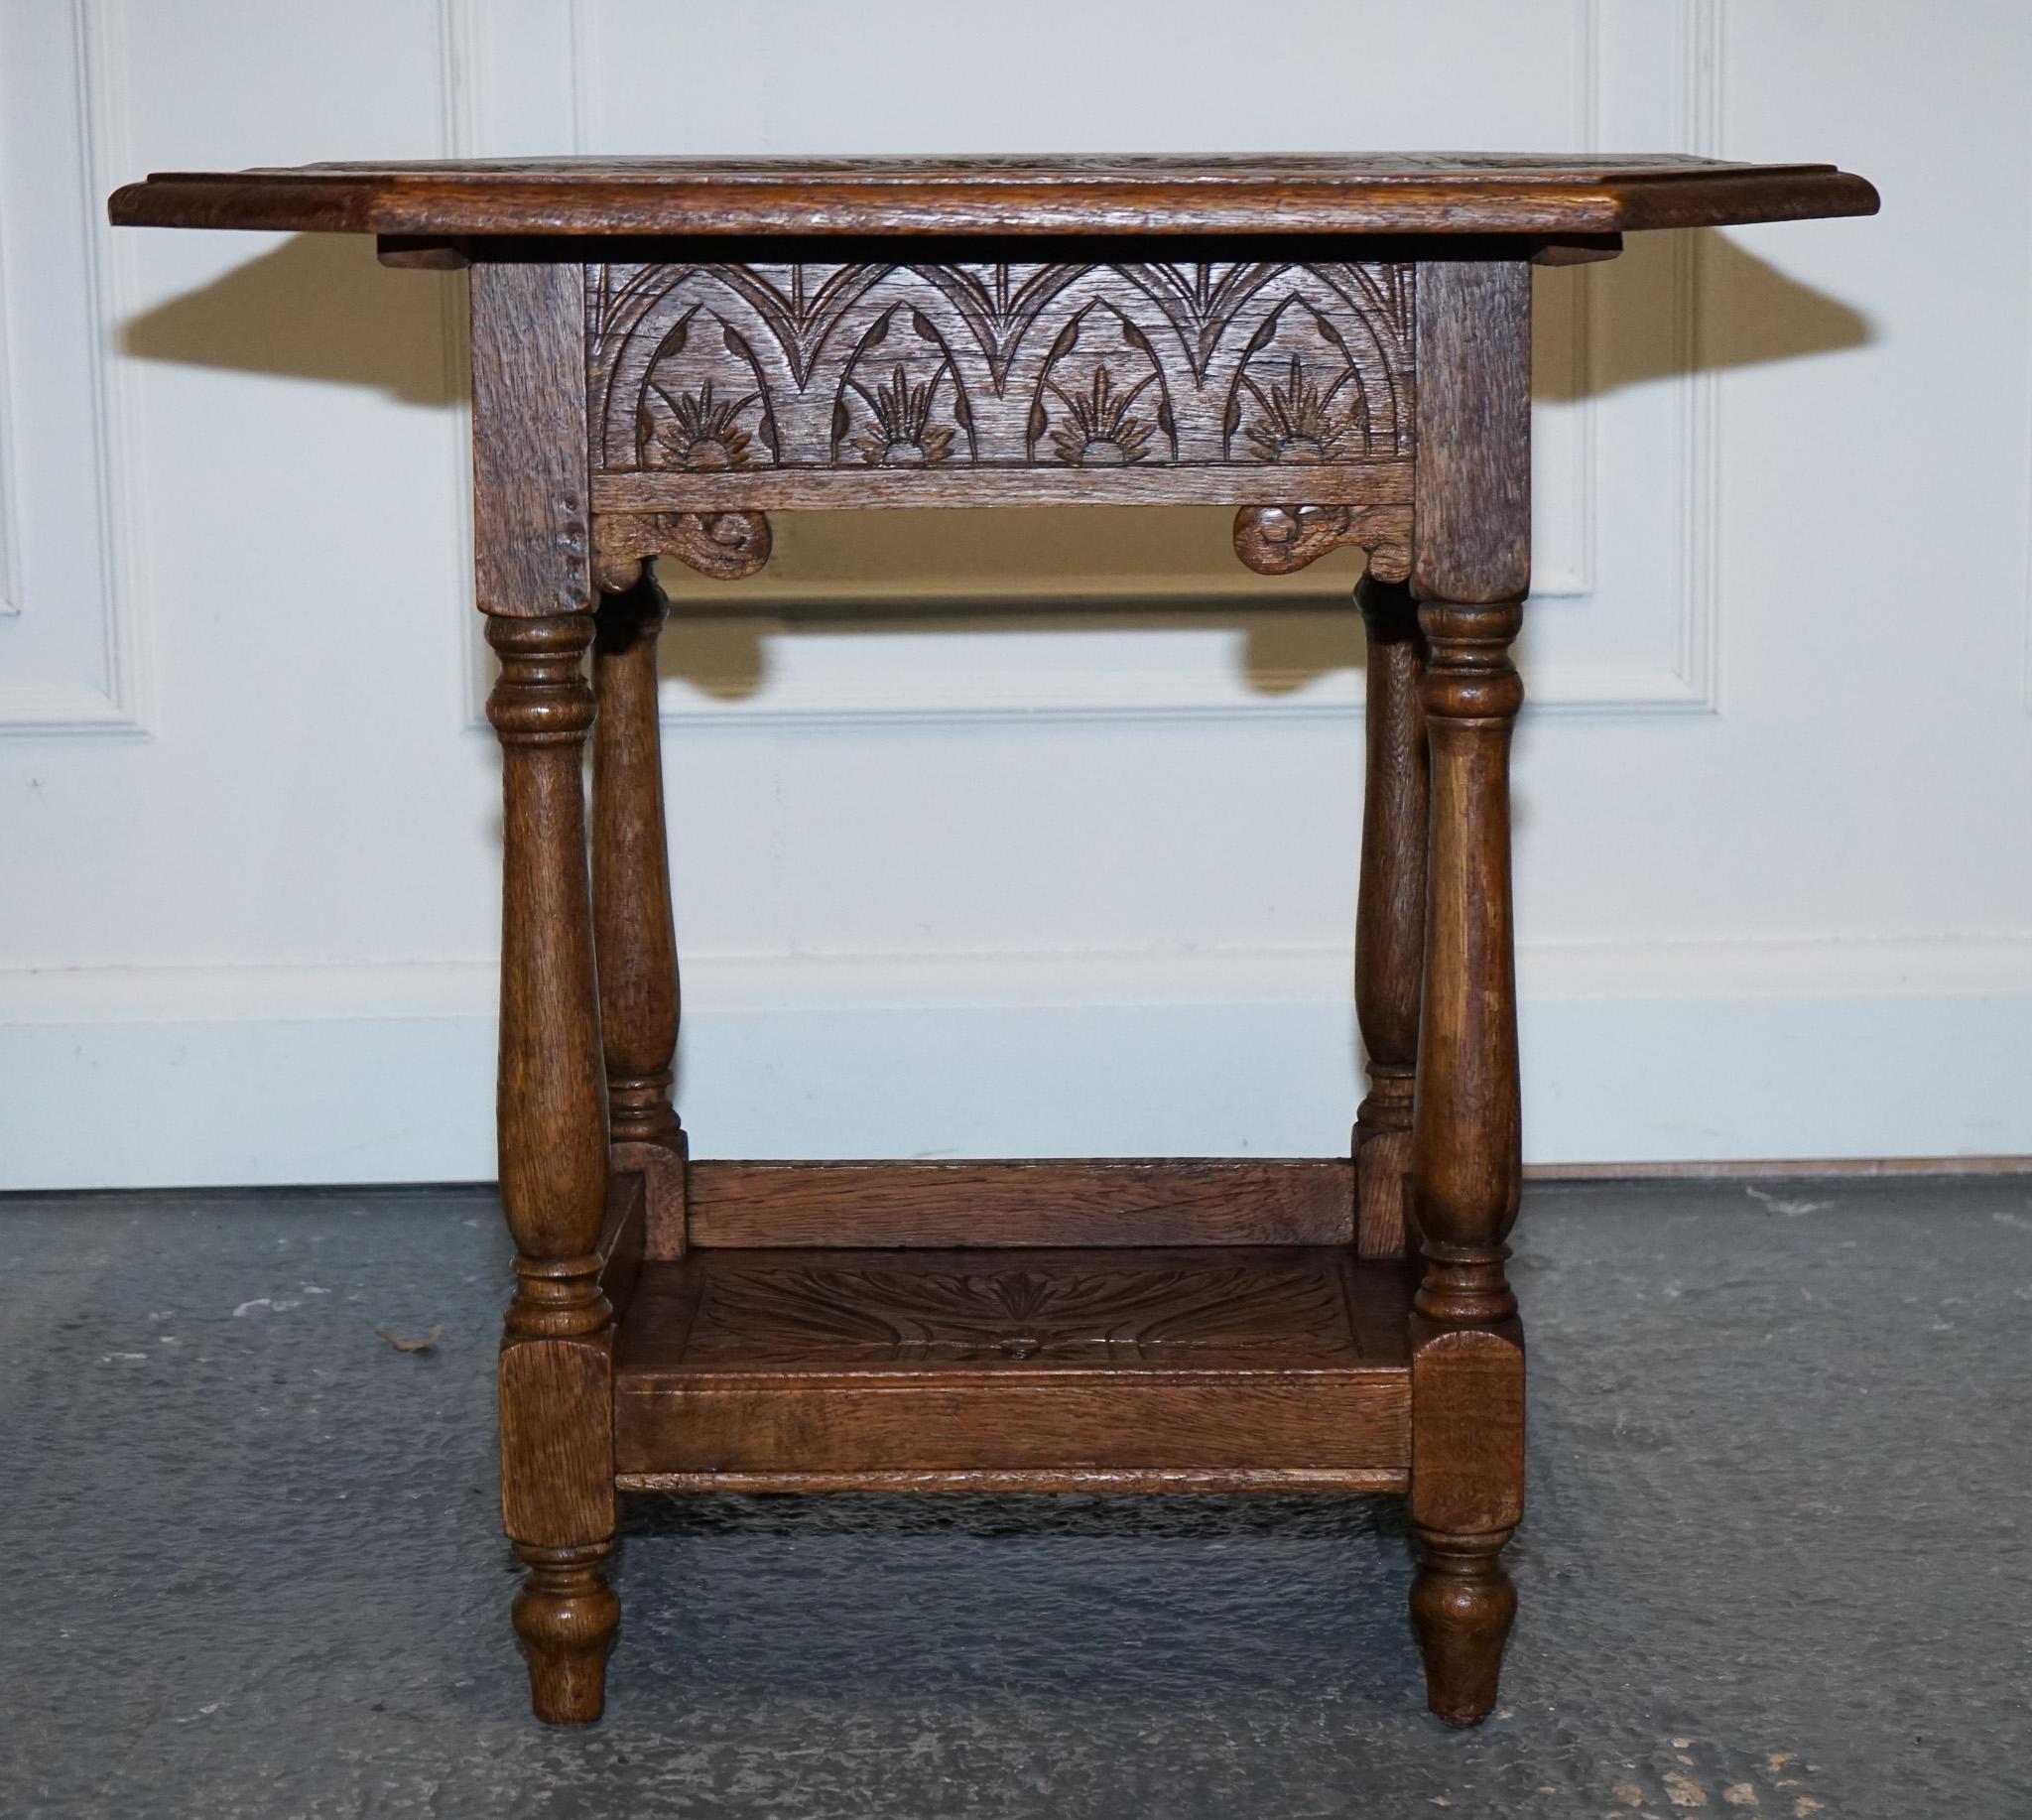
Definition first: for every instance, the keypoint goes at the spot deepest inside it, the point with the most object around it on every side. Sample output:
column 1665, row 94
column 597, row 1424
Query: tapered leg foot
column 566, row 1615
column 1462, row 1606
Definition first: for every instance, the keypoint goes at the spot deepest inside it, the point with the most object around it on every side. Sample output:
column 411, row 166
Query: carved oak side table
column 664, row 350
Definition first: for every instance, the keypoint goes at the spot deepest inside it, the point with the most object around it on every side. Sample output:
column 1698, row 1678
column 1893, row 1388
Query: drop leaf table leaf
column 664, row 350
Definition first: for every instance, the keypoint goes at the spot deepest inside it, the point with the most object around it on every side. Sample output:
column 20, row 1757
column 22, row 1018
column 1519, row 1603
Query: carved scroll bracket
column 1283, row 539
column 728, row 545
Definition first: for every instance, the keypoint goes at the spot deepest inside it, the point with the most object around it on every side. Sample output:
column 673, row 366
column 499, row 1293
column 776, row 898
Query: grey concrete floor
column 1777, row 1561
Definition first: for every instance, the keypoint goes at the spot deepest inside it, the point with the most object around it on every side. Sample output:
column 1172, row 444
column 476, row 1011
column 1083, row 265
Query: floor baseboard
column 1780, row 1168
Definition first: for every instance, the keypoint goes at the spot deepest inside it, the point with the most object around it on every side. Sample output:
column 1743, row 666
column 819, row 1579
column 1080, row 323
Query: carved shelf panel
column 720, row 387
column 810, row 1368
column 1174, row 1309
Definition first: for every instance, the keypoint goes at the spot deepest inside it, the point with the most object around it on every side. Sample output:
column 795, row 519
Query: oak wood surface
column 1471, row 516
column 712, row 367
column 717, row 388
column 1389, row 928
column 1404, row 193
column 1471, row 567
column 1283, row 539
column 555, row 1364
column 1466, row 1496
column 834, row 1362
column 635, row 939
column 664, row 350
column 1104, row 1479
column 1108, row 1200
column 531, row 502
column 623, row 1239
column 1370, row 482
column 918, row 1312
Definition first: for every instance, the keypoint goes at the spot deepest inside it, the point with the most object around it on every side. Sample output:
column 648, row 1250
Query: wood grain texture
column 820, row 1425
column 992, row 332
column 921, row 1311
column 1018, row 1362
column 1466, row 1122
column 564, row 1617
column 557, row 1459
column 634, row 934
column 1471, row 540
column 1110, row 1200
column 1283, row 539
column 1467, row 1436
column 1466, row 1496
column 915, row 1361
column 727, row 546
column 558, row 1507
column 1335, row 194
column 635, row 937
column 552, row 1097
column 531, row 498
column 1389, row 930
column 1372, row 483
column 623, row 1239
column 1471, row 559
column 556, row 1415
column 1108, row 1480
column 936, row 375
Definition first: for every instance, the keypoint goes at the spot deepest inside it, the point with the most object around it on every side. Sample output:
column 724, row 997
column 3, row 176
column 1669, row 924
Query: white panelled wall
column 1073, row 873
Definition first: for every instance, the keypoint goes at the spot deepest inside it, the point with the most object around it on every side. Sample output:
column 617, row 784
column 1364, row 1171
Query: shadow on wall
column 322, row 308
column 314, row 307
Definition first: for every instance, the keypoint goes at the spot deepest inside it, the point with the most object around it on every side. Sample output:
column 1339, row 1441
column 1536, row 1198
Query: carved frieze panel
column 730, row 385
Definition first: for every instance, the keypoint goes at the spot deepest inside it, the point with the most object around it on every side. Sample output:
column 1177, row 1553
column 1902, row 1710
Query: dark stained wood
column 557, row 1460
column 1384, row 482
column 727, row 546
column 1466, row 1496
column 1094, row 1478
column 623, row 1239
column 1337, row 345
column 531, row 498
column 833, row 1362
column 1466, row 1144
column 555, row 1402
column 1389, row 193
column 1471, row 567
column 1471, row 540
column 564, row 1617
column 913, row 1313
column 1283, row 539
column 805, row 1423
column 1389, row 930
column 934, row 370
column 1110, row 1200
column 552, row 1087
column 634, row 934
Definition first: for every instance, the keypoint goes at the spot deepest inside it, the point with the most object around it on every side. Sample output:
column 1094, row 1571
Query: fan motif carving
column 703, row 368
column 1189, row 1314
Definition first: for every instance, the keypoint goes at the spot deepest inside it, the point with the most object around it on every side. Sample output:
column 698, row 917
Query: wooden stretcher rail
column 1107, row 1200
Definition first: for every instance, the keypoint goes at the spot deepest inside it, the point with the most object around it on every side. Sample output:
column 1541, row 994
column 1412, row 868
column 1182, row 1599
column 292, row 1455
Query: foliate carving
column 888, row 1314
column 734, row 369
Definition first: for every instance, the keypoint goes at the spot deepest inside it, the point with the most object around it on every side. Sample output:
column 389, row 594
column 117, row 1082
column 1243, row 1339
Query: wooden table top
column 1423, row 193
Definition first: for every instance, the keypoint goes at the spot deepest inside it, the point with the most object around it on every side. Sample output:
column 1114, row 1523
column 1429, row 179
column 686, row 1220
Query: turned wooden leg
column 1462, row 1606
column 557, row 1353
column 1389, row 935
column 631, row 897
column 1468, row 1354
column 565, row 1615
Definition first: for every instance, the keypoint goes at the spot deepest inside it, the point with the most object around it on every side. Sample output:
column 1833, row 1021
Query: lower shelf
column 1171, row 1368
